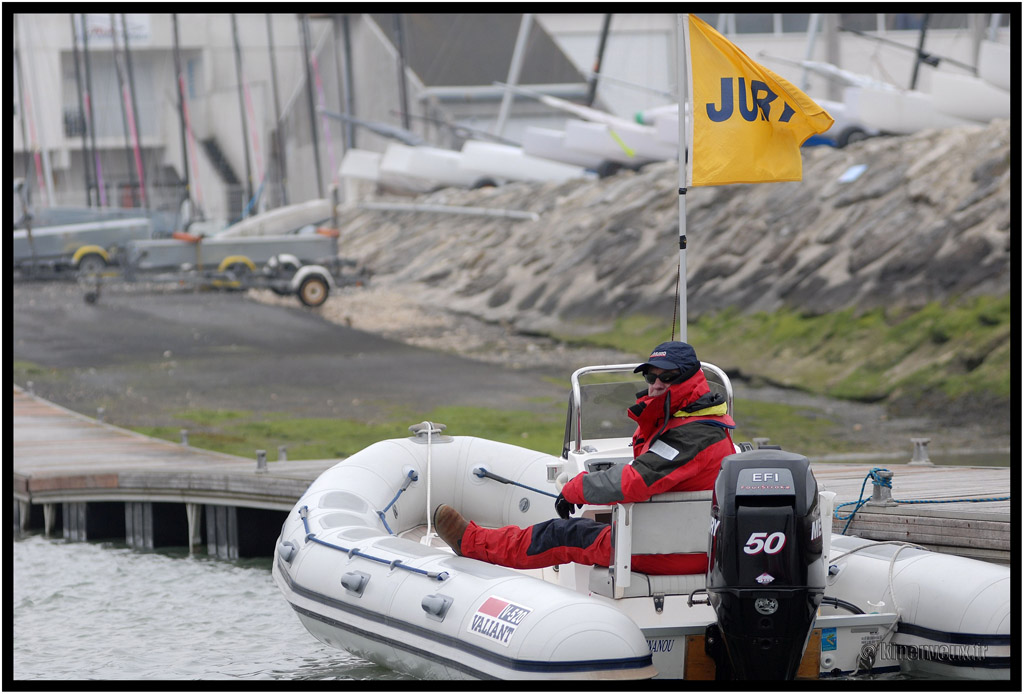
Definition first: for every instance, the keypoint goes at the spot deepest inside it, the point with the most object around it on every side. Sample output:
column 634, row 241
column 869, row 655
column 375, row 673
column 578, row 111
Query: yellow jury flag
column 748, row 122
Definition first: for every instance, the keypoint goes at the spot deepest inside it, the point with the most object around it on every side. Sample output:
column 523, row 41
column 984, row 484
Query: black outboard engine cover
column 766, row 573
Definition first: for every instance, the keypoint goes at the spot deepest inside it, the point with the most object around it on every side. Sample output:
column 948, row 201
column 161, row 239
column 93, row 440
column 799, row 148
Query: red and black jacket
column 680, row 440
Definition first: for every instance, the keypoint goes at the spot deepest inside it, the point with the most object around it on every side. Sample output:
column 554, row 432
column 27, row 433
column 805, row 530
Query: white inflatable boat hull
column 363, row 574
column 498, row 623
column 955, row 613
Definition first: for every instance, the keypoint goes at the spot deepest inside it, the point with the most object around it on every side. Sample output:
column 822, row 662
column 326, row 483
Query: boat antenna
column 684, row 99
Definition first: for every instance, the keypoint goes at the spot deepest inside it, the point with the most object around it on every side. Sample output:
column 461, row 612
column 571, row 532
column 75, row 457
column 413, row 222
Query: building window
column 190, row 78
column 795, row 22
column 74, row 123
column 754, row 24
column 859, row 22
column 711, row 20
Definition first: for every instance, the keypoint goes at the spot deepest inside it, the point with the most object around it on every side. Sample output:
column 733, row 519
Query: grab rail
column 409, row 479
column 353, row 552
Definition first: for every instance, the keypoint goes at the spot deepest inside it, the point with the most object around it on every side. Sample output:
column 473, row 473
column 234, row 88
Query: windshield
column 604, row 408
column 604, row 400
column 605, row 394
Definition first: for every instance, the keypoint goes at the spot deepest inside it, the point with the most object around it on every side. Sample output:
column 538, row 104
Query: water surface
column 99, row 611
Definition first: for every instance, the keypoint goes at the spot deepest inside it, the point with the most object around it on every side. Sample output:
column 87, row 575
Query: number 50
column 763, row 542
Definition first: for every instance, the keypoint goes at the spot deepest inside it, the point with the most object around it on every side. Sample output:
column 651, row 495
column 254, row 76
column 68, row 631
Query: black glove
column 564, row 508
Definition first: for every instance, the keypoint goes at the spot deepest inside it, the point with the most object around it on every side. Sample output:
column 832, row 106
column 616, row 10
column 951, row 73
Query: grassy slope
column 934, row 357
column 242, row 432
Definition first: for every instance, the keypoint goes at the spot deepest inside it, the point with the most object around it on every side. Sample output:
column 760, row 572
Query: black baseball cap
column 672, row 355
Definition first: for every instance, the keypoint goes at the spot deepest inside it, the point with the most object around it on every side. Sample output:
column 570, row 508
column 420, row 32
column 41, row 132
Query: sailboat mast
column 516, row 64
column 81, row 109
column 403, row 89
column 592, row 87
column 278, row 136
column 40, row 152
column 350, row 105
column 322, row 106
column 27, row 145
column 304, row 22
column 26, row 182
column 920, row 51
column 136, row 125
column 241, row 107
column 124, row 109
column 180, row 87
column 91, row 123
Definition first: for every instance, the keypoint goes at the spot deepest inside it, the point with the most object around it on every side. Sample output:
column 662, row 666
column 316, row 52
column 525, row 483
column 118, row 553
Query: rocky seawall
column 889, row 221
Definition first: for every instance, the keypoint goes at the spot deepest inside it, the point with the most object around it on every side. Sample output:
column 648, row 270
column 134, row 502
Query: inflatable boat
column 783, row 598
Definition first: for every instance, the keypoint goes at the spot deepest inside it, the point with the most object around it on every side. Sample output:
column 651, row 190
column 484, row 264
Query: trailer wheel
column 313, row 291
column 850, row 135
column 241, row 273
column 91, row 264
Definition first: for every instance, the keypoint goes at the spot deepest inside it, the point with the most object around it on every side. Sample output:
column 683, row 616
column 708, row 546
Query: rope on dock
column 879, row 481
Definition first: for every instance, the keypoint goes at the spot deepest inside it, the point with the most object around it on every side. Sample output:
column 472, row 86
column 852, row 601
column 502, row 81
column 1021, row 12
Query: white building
column 451, row 64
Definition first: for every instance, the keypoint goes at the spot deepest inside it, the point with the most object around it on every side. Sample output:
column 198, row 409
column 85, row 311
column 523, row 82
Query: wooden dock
column 70, row 465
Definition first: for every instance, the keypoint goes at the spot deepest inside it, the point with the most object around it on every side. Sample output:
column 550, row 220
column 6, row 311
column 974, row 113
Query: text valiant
column 497, row 619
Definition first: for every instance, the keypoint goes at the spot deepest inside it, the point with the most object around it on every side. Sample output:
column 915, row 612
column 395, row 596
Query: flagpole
column 683, row 86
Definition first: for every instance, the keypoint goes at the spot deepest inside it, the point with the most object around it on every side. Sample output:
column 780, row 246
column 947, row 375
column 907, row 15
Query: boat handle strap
column 409, row 479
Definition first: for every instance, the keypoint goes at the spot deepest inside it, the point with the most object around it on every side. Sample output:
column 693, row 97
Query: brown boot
column 450, row 526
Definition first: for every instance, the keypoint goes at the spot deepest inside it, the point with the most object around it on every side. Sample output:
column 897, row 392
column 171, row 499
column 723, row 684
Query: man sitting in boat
column 683, row 433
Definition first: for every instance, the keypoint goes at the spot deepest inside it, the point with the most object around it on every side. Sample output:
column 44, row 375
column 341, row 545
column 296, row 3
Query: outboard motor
column 766, row 573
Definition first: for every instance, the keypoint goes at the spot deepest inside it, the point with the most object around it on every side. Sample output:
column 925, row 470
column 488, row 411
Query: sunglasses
column 664, row 377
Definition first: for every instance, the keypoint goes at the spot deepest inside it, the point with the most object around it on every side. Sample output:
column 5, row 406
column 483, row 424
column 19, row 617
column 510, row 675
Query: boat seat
column 670, row 523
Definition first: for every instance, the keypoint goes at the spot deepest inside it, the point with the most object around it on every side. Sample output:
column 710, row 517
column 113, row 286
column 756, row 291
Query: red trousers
column 559, row 541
